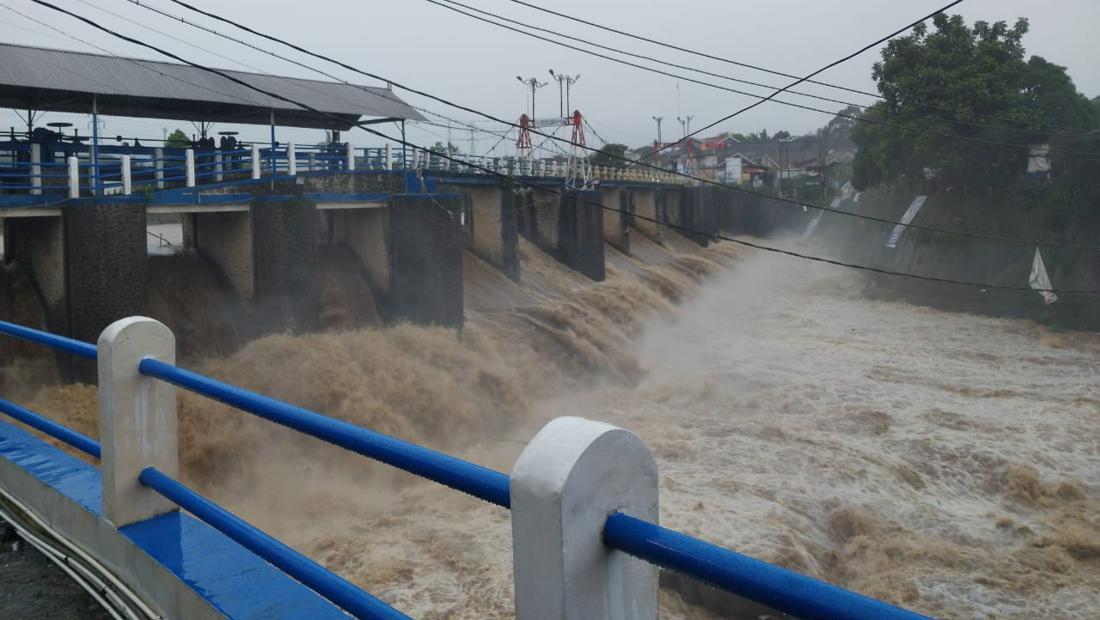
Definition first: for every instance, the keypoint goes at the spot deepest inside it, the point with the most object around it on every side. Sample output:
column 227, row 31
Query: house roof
column 66, row 81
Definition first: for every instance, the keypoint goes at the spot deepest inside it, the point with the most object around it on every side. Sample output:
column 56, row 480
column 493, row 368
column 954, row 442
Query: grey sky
column 473, row 63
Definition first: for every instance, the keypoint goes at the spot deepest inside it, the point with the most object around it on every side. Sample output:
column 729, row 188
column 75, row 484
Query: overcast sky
column 476, row 64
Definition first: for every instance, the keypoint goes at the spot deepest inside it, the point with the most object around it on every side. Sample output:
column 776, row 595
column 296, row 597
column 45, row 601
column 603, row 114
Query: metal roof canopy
column 66, row 81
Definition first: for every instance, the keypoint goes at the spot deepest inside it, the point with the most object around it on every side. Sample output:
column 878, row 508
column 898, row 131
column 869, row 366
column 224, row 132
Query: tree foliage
column 963, row 75
column 177, row 140
column 610, row 155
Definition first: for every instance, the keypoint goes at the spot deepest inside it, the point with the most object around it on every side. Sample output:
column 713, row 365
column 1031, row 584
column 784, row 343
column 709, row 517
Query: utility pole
column 657, row 146
column 565, row 83
column 534, row 84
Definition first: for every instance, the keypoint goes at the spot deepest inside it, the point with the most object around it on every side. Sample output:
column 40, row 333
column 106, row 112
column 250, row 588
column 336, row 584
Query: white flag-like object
column 1039, row 279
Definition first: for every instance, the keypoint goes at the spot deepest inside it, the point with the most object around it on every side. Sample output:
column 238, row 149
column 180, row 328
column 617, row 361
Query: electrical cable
column 702, row 71
column 780, row 73
column 176, row 39
column 640, row 162
column 76, row 552
column 761, row 99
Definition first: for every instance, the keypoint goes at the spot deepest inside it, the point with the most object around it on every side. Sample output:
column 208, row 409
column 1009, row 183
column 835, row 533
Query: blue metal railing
column 481, row 482
column 778, row 588
column 781, row 589
column 81, row 442
column 61, row 343
column 344, row 594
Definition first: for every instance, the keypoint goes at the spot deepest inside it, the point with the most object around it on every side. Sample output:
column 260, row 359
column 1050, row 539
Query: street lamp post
column 534, row 84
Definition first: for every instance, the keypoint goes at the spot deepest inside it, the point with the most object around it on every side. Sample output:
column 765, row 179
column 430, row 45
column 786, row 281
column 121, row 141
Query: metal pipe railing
column 780, row 589
column 61, row 343
column 470, row 478
column 44, row 425
column 342, row 593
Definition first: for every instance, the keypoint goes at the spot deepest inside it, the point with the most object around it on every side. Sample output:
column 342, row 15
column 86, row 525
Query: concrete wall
column 226, row 240
column 567, row 225
column 353, row 183
column 285, row 232
column 493, row 227
column 426, row 259
column 698, row 212
column 616, row 229
column 105, row 254
column 580, row 233
column 366, row 232
column 646, row 210
column 38, row 243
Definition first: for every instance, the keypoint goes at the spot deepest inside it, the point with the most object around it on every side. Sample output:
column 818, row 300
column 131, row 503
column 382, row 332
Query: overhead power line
column 780, row 73
column 642, row 163
column 536, row 187
column 761, row 98
column 666, row 63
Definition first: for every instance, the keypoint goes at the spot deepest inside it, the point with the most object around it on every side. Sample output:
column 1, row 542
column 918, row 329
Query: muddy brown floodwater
column 946, row 462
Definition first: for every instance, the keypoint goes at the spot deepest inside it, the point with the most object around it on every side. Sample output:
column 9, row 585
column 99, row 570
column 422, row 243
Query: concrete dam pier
column 87, row 258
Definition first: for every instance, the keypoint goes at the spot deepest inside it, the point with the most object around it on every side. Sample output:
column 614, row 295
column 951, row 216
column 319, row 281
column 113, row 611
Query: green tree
column 610, row 155
column 968, row 74
column 449, row 149
column 177, row 140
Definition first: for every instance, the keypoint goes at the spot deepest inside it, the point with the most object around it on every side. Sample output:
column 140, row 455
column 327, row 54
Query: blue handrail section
column 81, row 442
column 781, row 589
column 481, row 482
column 68, row 345
column 344, row 594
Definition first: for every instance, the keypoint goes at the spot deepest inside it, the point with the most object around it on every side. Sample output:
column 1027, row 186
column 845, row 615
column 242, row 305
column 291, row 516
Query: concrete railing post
column 189, row 166
column 256, row 163
column 351, row 157
column 572, row 475
column 127, row 176
column 291, row 160
column 137, row 424
column 158, row 169
column 74, row 177
column 219, row 167
column 386, row 158
column 36, row 169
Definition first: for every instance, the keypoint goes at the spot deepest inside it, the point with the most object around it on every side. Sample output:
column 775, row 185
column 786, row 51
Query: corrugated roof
column 64, row 81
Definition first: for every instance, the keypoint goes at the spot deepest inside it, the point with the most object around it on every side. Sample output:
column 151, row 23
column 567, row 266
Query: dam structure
column 76, row 218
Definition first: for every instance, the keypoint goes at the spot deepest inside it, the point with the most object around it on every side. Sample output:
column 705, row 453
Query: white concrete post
column 291, row 160
column 189, row 166
column 572, row 475
column 36, row 169
column 312, row 161
column 351, row 157
column 219, row 168
column 127, row 176
column 256, row 163
column 74, row 177
column 386, row 159
column 137, row 424
column 158, row 174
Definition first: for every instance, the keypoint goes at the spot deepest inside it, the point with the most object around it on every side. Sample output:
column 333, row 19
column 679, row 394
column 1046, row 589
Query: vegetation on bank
column 955, row 89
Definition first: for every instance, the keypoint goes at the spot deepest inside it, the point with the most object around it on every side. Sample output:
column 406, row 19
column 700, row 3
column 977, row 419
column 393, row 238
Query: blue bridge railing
column 783, row 590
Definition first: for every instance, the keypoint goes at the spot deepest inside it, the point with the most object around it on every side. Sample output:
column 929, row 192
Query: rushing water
column 946, row 462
